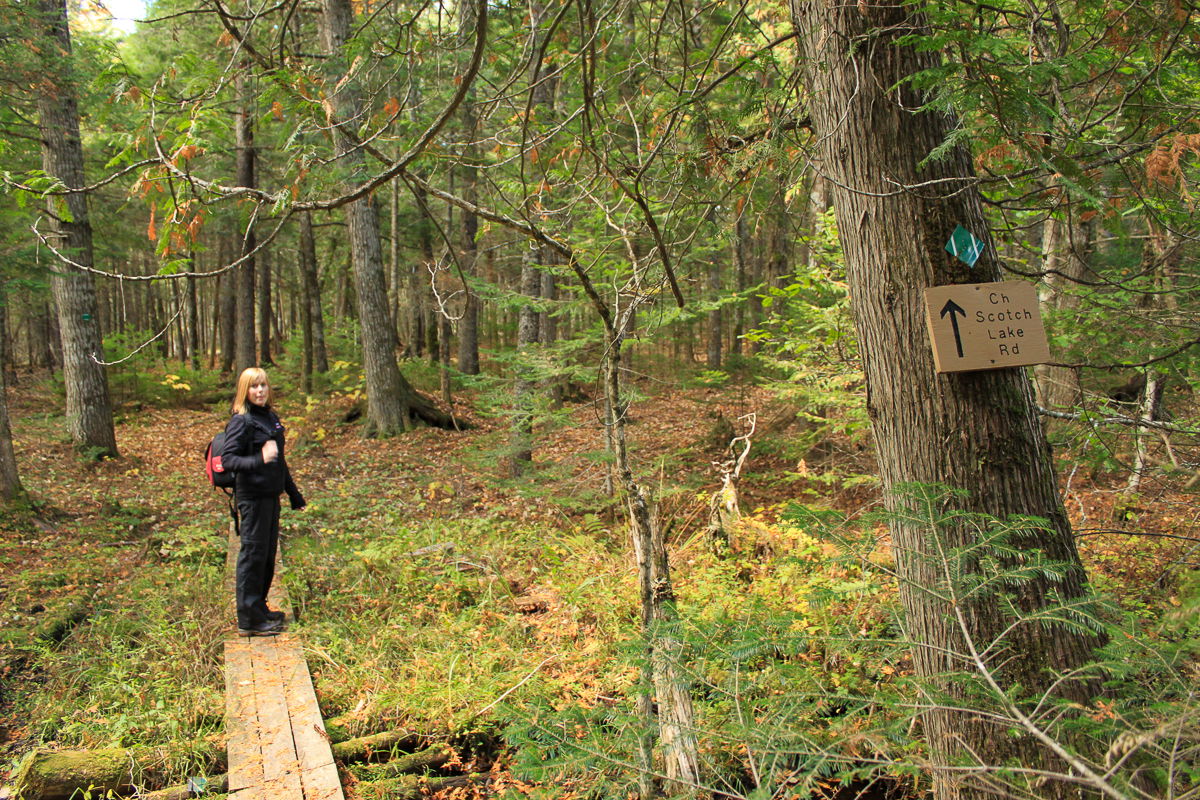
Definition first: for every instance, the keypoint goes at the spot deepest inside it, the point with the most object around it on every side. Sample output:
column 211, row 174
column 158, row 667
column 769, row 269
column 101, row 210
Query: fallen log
column 418, row 763
column 57, row 775
column 411, row 787
column 215, row 785
column 60, row 774
column 366, row 748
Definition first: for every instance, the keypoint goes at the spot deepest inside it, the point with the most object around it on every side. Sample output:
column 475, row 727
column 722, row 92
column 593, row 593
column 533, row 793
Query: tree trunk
column 468, row 326
column 540, row 106
column 978, row 431
column 524, row 384
column 191, row 315
column 675, row 715
column 10, row 481
column 713, row 358
column 391, row 401
column 741, row 248
column 263, row 270
column 8, row 340
column 227, row 313
column 89, row 409
column 1064, row 245
column 244, row 345
column 312, row 290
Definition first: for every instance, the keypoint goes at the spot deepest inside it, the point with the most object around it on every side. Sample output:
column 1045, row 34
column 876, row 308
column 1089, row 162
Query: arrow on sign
column 952, row 308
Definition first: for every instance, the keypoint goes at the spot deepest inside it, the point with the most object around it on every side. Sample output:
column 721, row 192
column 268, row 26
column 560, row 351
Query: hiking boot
column 276, row 616
column 267, row 628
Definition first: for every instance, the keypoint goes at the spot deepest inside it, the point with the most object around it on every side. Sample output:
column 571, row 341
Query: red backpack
column 218, row 476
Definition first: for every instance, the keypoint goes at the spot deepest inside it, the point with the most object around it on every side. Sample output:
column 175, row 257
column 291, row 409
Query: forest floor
column 126, row 555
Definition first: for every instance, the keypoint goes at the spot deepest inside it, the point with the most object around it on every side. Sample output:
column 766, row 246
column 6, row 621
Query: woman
column 254, row 451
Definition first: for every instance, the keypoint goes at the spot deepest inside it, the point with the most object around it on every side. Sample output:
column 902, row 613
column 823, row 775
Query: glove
column 297, row 501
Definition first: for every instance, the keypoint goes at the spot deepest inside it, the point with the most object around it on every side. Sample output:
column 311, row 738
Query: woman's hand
column 270, row 451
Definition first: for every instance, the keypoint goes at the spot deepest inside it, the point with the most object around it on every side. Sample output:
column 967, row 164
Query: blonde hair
column 251, row 376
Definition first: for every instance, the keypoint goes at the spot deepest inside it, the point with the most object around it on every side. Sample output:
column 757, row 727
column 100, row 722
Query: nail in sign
column 975, row 326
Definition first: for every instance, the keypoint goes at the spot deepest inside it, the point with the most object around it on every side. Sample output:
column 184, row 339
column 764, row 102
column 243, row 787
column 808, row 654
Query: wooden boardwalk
column 277, row 746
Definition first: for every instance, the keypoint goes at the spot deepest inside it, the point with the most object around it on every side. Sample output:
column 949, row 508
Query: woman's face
column 259, row 393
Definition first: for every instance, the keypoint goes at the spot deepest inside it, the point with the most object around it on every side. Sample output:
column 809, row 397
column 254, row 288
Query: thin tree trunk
column 713, row 355
column 740, row 251
column 675, row 715
column 312, row 284
column 227, row 312
column 191, row 314
column 540, row 105
column 977, row 431
column 89, row 409
column 1151, row 403
column 263, row 269
column 1063, row 247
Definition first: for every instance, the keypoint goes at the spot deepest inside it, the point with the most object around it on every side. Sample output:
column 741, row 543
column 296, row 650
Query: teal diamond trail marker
column 964, row 246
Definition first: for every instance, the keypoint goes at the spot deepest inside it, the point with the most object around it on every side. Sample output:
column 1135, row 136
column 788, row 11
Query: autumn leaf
column 277, row 110
column 391, row 107
column 151, row 229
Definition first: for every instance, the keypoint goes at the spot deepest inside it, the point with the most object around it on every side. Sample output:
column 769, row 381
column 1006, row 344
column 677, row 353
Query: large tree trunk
column 89, row 409
column 10, row 481
column 468, row 326
column 977, row 431
column 245, row 350
column 391, row 401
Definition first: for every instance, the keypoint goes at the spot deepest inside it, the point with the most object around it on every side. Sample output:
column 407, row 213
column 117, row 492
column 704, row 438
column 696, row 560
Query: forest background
column 598, row 332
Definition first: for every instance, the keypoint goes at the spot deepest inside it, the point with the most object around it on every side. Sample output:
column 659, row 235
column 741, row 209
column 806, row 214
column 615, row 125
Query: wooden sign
column 975, row 326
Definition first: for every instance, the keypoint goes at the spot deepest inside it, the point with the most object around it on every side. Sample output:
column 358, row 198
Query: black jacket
column 245, row 436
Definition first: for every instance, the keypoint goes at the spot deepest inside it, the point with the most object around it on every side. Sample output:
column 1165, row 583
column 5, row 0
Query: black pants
column 258, row 527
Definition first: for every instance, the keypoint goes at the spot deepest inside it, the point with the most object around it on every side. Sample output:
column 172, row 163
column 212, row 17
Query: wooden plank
column 278, row 749
column 312, row 743
column 280, row 766
column 241, row 718
column 319, row 775
column 322, row 783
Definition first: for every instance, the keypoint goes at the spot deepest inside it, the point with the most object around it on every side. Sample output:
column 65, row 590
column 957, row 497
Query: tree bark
column 540, row 106
column 468, row 326
column 191, row 316
column 713, row 354
column 392, row 403
column 89, row 409
column 312, row 291
column 244, row 344
column 263, row 277
column 10, row 481
column 662, row 670
column 1064, row 245
column 227, row 311
column 977, row 432
column 741, row 246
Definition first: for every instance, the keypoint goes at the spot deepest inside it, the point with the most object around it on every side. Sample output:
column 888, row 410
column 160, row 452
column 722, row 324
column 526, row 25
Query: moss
column 56, row 775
